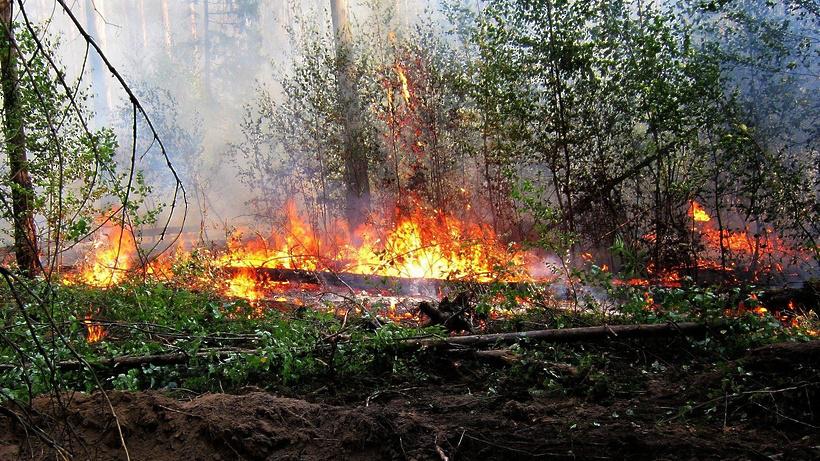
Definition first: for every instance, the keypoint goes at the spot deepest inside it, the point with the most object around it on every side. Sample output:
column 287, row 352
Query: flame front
column 422, row 243
column 425, row 244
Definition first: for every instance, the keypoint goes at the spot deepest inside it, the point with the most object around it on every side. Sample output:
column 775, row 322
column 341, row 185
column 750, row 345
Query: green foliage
column 230, row 344
column 296, row 142
column 74, row 169
column 633, row 260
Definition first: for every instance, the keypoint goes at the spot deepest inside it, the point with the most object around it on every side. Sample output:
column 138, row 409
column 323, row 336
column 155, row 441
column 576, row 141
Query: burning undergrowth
column 422, row 245
column 388, row 266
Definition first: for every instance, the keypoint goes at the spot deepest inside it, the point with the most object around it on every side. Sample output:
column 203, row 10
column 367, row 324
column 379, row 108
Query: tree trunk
column 357, row 182
column 206, row 51
column 166, row 27
column 98, row 69
column 143, row 26
column 22, row 191
column 192, row 19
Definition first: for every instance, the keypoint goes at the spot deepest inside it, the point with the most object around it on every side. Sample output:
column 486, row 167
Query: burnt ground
column 659, row 401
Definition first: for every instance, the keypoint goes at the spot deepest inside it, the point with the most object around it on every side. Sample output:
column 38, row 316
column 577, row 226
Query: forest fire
column 763, row 251
column 421, row 244
column 421, row 229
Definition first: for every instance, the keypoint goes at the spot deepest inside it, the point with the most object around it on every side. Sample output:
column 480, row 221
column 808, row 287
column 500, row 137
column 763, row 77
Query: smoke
column 195, row 65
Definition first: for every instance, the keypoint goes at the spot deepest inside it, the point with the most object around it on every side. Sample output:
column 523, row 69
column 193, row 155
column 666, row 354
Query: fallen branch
column 129, row 361
column 561, row 335
column 463, row 342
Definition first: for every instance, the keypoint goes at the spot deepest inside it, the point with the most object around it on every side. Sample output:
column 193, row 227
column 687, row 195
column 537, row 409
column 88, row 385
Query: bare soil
column 773, row 412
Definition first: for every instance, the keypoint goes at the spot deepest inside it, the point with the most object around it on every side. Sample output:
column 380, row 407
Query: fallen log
column 803, row 298
column 497, row 357
column 463, row 342
column 134, row 361
column 398, row 285
column 562, row 335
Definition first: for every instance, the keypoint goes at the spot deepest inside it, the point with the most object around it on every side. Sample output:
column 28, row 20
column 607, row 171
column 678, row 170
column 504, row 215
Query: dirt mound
column 221, row 426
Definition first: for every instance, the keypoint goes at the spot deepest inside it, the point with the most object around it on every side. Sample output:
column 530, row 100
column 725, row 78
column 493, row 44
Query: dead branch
column 129, row 361
column 562, row 335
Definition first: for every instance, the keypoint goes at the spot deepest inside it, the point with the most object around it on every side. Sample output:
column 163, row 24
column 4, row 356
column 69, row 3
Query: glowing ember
column 94, row 332
column 649, row 301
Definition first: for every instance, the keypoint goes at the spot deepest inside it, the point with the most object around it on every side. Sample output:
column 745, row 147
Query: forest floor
column 615, row 400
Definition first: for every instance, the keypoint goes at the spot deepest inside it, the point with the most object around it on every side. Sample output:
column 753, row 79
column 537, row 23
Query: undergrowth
column 230, row 344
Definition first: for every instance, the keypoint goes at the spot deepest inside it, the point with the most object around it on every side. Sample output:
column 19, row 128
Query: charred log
column 398, row 285
column 455, row 315
column 805, row 298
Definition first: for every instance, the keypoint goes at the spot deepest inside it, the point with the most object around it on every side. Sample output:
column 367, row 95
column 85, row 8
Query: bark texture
column 22, row 191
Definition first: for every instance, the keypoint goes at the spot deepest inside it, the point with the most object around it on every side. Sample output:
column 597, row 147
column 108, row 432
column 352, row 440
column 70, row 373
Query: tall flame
column 94, row 332
column 405, row 86
column 114, row 254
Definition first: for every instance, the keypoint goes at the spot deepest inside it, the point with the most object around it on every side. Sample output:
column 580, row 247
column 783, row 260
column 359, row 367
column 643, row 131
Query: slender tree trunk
column 98, row 70
column 22, row 191
column 356, row 175
column 206, row 50
column 166, row 27
column 558, row 85
column 143, row 25
column 192, row 20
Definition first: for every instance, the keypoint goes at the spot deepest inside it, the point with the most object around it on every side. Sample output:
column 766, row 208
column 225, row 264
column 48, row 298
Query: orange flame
column 698, row 213
column 425, row 244
column 763, row 245
column 94, row 332
column 405, row 86
column 244, row 285
column 114, row 254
